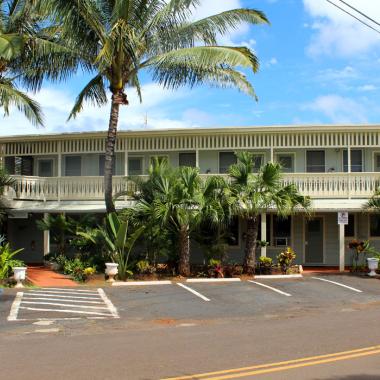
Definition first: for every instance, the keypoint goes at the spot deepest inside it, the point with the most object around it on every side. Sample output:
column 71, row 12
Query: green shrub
column 144, row 267
column 7, row 260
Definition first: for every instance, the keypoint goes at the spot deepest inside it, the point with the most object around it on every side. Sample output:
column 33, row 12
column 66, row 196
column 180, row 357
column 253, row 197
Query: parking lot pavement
column 61, row 304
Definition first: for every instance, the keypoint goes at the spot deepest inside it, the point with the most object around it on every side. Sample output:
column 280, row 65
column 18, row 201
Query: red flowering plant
column 360, row 249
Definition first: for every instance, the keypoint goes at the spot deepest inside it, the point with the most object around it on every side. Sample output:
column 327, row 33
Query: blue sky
column 318, row 66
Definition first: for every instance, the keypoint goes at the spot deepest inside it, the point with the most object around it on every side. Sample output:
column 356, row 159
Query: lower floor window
column 374, row 224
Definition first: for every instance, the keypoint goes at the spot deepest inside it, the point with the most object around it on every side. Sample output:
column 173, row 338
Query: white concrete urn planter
column 19, row 274
column 111, row 271
column 373, row 264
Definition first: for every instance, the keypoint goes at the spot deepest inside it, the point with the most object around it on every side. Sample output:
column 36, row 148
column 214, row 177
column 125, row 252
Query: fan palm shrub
column 119, row 39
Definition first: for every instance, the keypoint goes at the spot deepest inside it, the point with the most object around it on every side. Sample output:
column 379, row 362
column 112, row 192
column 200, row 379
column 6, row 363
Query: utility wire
column 360, row 12
column 350, row 14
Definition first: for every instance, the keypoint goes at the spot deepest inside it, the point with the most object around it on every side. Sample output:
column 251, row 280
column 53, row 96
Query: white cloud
column 338, row 109
column 329, row 75
column 336, row 33
column 57, row 105
column 250, row 44
column 367, row 87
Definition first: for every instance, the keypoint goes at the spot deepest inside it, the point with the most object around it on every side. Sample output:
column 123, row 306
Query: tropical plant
column 373, row 204
column 178, row 200
column 360, row 250
column 265, row 264
column 285, row 259
column 60, row 227
column 8, row 261
column 119, row 39
column 5, row 181
column 255, row 193
column 120, row 242
column 30, row 50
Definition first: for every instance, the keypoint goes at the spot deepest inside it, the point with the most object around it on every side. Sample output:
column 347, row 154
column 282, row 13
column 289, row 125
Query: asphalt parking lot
column 190, row 301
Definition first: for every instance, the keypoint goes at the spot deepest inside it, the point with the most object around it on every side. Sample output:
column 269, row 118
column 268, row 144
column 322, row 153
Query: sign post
column 342, row 221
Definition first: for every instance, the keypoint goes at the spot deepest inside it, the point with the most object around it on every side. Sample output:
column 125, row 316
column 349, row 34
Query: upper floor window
column 258, row 161
column 187, row 159
column 356, row 160
column 19, row 165
column 102, row 161
column 226, row 159
column 45, row 168
column 286, row 160
column 135, row 166
column 376, row 164
column 73, row 166
column 315, row 161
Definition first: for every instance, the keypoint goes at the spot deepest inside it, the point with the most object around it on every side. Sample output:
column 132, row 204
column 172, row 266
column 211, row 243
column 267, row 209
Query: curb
column 213, row 280
column 141, row 283
column 299, row 275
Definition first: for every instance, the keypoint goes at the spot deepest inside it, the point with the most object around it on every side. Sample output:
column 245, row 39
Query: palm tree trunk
column 184, row 252
column 250, row 245
column 118, row 97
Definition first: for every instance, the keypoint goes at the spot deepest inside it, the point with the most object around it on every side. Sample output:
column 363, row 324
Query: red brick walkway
column 41, row 276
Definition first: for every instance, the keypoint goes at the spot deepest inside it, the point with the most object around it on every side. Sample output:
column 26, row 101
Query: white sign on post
column 342, row 217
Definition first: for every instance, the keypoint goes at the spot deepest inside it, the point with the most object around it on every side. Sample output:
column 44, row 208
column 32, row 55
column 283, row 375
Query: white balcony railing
column 315, row 185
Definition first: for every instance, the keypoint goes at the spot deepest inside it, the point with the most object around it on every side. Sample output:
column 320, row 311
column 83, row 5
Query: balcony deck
column 315, row 185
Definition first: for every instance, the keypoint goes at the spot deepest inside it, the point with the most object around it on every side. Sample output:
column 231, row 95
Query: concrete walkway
column 41, row 276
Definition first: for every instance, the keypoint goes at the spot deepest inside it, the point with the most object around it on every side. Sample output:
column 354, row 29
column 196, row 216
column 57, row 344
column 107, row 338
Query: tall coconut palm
column 29, row 52
column 121, row 38
column 254, row 193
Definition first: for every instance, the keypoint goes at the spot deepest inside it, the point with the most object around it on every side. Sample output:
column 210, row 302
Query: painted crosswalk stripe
column 64, row 311
column 64, row 305
column 60, row 292
column 194, row 292
column 61, row 300
column 73, row 290
column 108, row 302
column 61, row 296
column 339, row 284
column 271, row 288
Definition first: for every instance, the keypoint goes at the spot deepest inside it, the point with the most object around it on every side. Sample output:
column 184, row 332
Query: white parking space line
column 213, row 280
column 338, row 283
column 44, row 301
column 15, row 307
column 194, row 292
column 271, row 288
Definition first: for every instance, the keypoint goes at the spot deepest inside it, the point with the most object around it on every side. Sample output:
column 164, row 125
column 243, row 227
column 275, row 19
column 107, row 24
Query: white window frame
column 81, row 163
column 293, row 154
column 363, row 159
column 314, row 150
column 223, row 151
column 374, row 154
column 47, row 159
column 142, row 159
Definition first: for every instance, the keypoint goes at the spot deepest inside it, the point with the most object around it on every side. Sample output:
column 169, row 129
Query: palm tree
column 29, row 52
column 121, row 38
column 373, row 204
column 254, row 193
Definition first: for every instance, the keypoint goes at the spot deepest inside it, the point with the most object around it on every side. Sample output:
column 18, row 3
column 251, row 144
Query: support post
column 126, row 173
column 46, row 238
column 341, row 248
column 59, row 171
column 349, row 168
column 263, row 233
column 197, row 158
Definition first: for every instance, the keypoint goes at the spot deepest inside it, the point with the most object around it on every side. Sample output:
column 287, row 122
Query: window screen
column 226, row 159
column 377, row 162
column 73, row 166
column 356, row 160
column 102, row 161
column 287, row 162
column 45, row 168
column 187, row 159
column 315, row 161
column 135, row 166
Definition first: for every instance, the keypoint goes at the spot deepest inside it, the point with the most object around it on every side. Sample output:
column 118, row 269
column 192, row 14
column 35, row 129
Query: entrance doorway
column 314, row 241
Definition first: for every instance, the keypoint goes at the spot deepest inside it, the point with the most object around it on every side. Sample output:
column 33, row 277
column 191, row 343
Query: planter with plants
column 8, row 265
column 360, row 250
